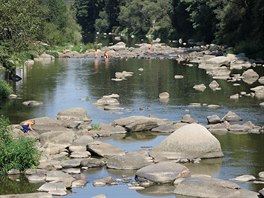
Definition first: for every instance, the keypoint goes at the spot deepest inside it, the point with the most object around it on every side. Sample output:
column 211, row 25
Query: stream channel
column 68, row 83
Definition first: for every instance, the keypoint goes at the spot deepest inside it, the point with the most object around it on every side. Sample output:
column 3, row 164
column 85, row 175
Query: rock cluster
column 68, row 146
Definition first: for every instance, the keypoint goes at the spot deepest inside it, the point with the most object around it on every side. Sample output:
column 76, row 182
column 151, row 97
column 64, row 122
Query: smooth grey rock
column 139, row 123
column 165, row 128
column 72, row 170
column 234, row 97
column 162, row 172
column 232, row 117
column 188, row 142
column 74, row 117
column 261, row 80
column 261, row 192
column 214, row 85
column 187, row 118
column 218, row 61
column 261, row 175
column 214, row 119
column 107, row 101
column 220, row 128
column 244, row 178
column 59, row 176
column 36, row 178
column 47, row 124
column 104, row 149
column 103, row 181
column 200, row 87
column 164, row 95
column 77, row 148
column 259, row 91
column 54, row 188
column 82, row 140
column 134, row 160
column 200, row 186
column 57, row 137
column 250, row 76
column 106, row 130
column 178, row 76
column 79, row 183
column 92, row 162
column 32, row 103
column 71, row 163
column 80, row 154
column 237, row 128
column 100, row 196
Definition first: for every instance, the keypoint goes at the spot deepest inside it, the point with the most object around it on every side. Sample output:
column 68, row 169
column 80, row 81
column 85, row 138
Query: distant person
column 106, row 55
column 180, row 41
column 27, row 126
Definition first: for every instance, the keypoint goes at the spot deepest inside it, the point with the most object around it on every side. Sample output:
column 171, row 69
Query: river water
column 68, row 83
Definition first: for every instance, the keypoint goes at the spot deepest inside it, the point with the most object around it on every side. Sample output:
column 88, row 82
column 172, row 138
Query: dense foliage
column 17, row 154
column 237, row 23
column 5, row 89
column 34, row 24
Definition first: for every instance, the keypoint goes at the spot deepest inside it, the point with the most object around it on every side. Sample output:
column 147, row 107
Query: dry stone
column 188, row 142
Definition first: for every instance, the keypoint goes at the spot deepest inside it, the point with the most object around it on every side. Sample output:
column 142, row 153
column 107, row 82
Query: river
column 68, row 83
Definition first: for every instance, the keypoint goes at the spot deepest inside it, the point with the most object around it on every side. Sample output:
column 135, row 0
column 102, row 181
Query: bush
column 17, row 154
column 5, row 89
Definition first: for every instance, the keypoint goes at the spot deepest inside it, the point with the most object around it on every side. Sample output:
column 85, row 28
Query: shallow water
column 70, row 83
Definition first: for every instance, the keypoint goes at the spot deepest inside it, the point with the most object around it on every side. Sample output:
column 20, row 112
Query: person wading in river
column 27, row 125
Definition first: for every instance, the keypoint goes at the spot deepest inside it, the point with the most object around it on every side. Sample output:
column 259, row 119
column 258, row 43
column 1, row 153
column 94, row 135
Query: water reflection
column 16, row 184
column 65, row 82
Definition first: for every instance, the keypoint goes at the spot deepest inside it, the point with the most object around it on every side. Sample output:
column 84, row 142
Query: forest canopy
column 236, row 23
column 26, row 23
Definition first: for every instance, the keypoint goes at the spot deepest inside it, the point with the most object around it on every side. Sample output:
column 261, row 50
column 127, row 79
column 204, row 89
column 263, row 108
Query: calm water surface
column 70, row 83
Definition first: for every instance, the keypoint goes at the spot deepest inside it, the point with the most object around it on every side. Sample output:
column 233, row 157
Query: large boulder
column 207, row 187
column 162, row 172
column 188, row 142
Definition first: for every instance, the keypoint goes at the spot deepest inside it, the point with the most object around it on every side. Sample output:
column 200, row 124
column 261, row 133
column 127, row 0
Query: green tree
column 141, row 17
column 59, row 25
column 16, row 153
column 181, row 20
column 19, row 24
column 87, row 11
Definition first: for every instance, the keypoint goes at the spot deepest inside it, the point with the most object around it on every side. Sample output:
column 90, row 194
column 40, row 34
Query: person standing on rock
column 27, row 126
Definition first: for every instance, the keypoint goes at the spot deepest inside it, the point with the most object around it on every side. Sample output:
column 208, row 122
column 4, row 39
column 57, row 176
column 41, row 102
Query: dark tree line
column 237, row 23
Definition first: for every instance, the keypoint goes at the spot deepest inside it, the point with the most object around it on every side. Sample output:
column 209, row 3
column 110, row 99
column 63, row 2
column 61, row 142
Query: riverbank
column 65, row 156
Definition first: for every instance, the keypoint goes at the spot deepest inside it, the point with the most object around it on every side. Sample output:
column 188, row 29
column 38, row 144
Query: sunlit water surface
column 70, row 83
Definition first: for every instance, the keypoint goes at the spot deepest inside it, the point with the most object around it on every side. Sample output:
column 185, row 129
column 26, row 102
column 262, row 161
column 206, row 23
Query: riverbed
column 68, row 83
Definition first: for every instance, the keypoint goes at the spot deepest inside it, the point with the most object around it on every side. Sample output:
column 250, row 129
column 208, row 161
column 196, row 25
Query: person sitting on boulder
column 27, row 125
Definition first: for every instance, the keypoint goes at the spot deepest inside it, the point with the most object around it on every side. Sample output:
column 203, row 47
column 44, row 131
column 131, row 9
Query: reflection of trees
column 8, row 186
column 244, row 152
column 206, row 167
column 157, row 77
